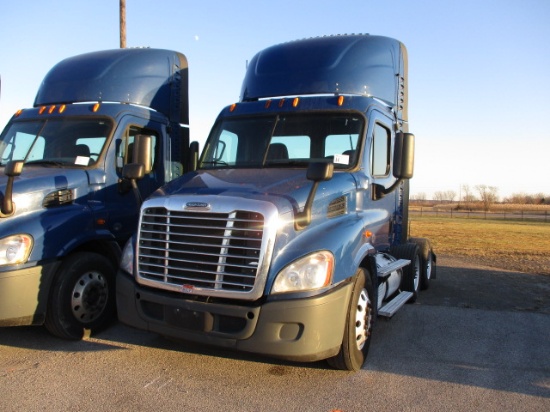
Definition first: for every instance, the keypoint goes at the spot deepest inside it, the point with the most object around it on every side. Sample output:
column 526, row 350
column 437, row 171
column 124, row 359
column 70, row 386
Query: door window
column 380, row 153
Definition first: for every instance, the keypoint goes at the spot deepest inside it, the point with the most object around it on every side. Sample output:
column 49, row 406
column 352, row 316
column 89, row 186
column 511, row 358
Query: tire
column 427, row 262
column 359, row 323
column 412, row 272
column 82, row 297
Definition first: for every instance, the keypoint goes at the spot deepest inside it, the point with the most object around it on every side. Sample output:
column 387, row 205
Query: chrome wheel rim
column 363, row 319
column 429, row 266
column 416, row 272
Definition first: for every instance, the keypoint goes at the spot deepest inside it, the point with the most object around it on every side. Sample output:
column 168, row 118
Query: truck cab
column 65, row 206
column 291, row 236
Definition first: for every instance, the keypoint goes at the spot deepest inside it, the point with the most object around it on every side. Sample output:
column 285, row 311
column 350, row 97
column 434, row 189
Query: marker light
column 281, row 102
column 41, row 110
column 62, row 108
column 340, row 100
column 267, row 104
column 51, row 109
column 95, row 108
column 18, row 113
column 295, row 102
column 232, row 107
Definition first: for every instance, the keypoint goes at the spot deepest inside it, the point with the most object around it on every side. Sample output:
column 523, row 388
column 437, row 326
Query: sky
column 479, row 70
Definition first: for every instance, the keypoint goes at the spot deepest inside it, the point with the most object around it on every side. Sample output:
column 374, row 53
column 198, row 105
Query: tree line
column 487, row 195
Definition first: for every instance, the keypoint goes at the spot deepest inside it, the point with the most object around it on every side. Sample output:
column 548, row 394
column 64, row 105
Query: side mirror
column 403, row 163
column 403, row 156
column 316, row 172
column 320, row 171
column 143, row 149
column 193, row 156
column 132, row 172
column 12, row 169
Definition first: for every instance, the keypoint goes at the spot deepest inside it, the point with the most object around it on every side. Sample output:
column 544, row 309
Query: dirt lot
column 477, row 283
column 477, row 339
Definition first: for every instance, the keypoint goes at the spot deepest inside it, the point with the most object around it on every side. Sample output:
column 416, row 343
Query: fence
column 519, row 215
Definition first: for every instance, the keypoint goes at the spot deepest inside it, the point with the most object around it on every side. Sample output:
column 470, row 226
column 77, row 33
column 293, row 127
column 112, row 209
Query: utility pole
column 122, row 24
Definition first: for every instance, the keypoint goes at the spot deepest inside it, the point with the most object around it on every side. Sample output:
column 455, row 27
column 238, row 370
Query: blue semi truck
column 291, row 237
column 65, row 208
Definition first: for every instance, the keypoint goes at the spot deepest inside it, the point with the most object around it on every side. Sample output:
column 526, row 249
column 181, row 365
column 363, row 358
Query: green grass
column 522, row 246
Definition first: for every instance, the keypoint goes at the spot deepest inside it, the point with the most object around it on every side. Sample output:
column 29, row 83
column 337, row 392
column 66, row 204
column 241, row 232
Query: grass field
column 520, row 246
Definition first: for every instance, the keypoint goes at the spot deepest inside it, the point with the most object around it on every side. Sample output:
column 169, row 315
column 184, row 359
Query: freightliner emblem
column 197, row 205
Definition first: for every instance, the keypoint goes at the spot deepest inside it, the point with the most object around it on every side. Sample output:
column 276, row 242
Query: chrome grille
column 200, row 251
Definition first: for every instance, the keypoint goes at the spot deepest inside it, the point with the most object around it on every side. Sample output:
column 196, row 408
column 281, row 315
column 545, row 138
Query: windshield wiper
column 287, row 163
column 215, row 163
column 47, row 162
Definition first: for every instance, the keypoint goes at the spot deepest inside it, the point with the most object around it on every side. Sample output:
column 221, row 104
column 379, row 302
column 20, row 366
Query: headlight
column 15, row 249
column 310, row 272
column 127, row 260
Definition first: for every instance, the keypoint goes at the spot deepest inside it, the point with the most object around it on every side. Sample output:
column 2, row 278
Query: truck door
column 377, row 164
column 120, row 206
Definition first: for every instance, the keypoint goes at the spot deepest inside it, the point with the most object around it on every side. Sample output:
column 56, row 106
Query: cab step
column 398, row 264
column 389, row 309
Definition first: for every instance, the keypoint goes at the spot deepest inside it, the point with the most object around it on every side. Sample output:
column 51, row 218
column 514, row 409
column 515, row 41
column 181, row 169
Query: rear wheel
column 412, row 272
column 427, row 263
column 359, row 323
column 82, row 296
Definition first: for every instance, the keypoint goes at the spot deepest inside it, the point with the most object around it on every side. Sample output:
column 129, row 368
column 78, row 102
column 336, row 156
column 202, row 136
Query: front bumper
column 306, row 329
column 24, row 295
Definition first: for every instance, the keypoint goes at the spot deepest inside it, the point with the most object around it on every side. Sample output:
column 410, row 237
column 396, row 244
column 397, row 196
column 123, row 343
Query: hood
column 35, row 183
column 286, row 188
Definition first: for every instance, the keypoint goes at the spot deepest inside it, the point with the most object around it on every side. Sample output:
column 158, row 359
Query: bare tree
column 488, row 195
column 439, row 196
column 420, row 197
column 450, row 195
column 467, row 196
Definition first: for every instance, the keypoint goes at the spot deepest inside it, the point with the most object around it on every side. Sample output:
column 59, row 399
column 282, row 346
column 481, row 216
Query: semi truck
column 291, row 236
column 66, row 210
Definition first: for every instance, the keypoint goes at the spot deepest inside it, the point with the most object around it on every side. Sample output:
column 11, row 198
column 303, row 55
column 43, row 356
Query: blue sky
column 479, row 70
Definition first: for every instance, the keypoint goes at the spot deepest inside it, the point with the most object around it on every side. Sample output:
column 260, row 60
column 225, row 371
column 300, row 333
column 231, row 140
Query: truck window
column 380, row 153
column 94, row 144
column 125, row 151
column 18, row 147
column 297, row 147
column 66, row 142
column 342, row 148
column 283, row 141
column 226, row 151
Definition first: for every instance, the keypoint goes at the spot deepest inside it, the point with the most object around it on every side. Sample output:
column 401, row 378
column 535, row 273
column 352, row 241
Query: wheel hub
column 89, row 297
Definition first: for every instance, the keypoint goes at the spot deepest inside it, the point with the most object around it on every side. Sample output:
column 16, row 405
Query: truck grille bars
column 201, row 253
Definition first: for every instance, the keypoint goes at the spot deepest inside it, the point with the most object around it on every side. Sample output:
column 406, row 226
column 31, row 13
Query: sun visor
column 154, row 78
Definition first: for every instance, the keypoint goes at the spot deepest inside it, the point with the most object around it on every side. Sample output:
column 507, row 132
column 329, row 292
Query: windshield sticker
column 341, row 159
column 82, row 160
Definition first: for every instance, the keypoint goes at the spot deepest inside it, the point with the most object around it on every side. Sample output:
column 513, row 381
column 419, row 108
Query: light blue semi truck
column 291, row 237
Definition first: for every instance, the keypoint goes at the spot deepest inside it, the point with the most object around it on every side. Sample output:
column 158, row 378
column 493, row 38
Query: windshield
column 284, row 141
column 64, row 142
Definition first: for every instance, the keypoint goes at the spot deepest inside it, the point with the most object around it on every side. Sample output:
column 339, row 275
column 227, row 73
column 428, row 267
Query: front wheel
column 359, row 323
column 82, row 296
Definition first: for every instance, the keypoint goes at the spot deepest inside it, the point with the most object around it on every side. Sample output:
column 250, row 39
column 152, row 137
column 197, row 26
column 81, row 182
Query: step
column 398, row 264
column 389, row 309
